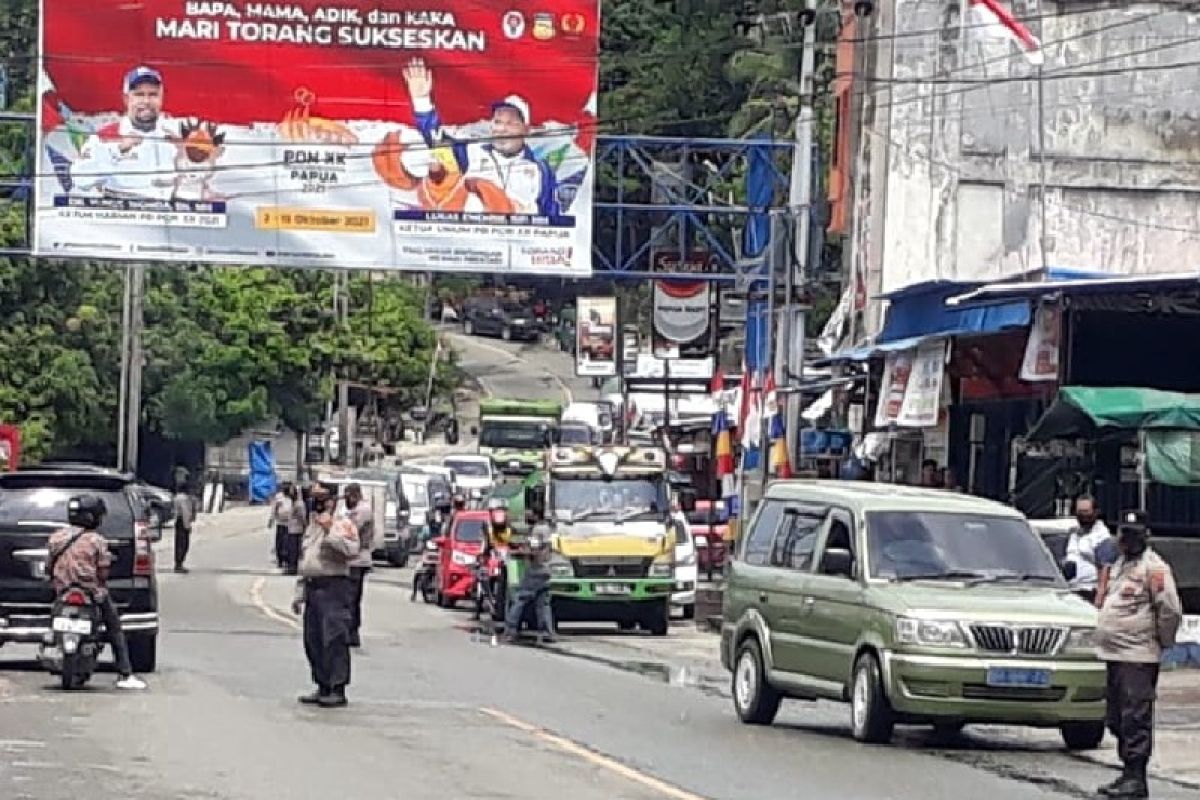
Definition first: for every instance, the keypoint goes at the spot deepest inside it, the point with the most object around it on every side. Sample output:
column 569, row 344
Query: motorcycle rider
column 458, row 502
column 79, row 556
column 499, row 534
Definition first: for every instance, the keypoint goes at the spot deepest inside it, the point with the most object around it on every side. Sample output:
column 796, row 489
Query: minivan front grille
column 1032, row 640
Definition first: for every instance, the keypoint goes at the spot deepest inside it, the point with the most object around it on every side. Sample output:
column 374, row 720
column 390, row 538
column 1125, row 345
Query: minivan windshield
column 920, row 545
column 470, row 531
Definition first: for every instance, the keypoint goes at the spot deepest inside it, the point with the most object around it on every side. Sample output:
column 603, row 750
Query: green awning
column 1086, row 412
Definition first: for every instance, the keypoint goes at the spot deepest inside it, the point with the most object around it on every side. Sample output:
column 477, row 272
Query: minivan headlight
column 1081, row 641
column 929, row 632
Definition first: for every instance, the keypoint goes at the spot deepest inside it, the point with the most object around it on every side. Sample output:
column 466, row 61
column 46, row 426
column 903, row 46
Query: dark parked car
column 494, row 317
column 33, row 504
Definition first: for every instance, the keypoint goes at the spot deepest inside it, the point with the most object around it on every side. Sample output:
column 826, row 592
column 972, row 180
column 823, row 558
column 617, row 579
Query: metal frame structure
column 638, row 209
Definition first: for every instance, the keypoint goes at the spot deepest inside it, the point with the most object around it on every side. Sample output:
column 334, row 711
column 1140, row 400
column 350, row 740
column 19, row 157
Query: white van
column 597, row 416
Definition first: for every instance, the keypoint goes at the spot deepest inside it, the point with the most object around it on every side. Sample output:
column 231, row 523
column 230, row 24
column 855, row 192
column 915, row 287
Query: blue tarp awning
column 1005, row 293
column 921, row 311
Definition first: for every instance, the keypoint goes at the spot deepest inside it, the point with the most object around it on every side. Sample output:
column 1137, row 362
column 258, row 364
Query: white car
column 687, row 572
column 473, row 473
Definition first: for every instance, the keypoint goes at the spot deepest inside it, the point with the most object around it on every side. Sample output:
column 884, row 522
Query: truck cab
column 516, row 433
column 613, row 534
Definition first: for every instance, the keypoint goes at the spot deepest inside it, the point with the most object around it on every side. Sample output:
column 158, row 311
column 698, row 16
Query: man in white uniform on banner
column 505, row 158
column 135, row 156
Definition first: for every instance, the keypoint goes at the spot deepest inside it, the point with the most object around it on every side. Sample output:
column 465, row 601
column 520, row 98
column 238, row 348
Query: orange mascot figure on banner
column 405, row 162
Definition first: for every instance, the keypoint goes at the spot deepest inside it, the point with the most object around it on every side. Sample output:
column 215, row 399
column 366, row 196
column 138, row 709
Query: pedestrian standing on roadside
column 281, row 513
column 297, row 522
column 363, row 517
column 185, row 517
column 1139, row 618
column 323, row 594
column 1089, row 533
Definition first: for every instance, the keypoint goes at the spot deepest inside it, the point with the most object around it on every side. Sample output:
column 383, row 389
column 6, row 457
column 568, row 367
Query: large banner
column 451, row 135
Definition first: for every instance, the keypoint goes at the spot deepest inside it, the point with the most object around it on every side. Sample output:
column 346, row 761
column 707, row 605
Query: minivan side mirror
column 837, row 561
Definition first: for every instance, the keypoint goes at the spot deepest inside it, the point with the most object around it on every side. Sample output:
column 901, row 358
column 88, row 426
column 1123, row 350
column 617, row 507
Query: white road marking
column 256, row 597
column 592, row 757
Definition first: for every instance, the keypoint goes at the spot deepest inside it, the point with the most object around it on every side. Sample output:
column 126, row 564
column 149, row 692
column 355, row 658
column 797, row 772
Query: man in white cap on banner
column 504, row 159
column 134, row 156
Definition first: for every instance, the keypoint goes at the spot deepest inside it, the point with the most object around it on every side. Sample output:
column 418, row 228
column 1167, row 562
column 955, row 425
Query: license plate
column 612, row 588
column 69, row 625
column 1013, row 676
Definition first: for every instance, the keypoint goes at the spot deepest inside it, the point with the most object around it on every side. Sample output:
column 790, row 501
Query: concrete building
column 951, row 133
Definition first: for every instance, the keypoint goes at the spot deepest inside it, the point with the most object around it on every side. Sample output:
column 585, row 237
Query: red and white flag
column 990, row 17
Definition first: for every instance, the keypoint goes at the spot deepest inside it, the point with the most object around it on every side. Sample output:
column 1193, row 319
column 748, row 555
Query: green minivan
column 915, row 606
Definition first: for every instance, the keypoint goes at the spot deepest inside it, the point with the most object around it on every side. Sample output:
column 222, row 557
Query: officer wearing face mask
column 1139, row 617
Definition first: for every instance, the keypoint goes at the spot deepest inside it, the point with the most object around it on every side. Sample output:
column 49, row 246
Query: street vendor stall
column 1142, row 449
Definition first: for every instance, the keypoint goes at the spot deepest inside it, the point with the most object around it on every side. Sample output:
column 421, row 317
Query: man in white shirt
column 504, row 159
column 135, row 156
column 1085, row 538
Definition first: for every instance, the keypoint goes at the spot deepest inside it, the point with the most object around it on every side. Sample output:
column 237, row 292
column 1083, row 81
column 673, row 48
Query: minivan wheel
column 1082, row 735
column 870, row 713
column 754, row 698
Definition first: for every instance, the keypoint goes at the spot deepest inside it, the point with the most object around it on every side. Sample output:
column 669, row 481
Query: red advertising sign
column 445, row 135
column 10, row 448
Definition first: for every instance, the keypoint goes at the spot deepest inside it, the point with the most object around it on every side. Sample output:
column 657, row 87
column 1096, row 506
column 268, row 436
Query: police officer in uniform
column 1139, row 617
column 325, row 593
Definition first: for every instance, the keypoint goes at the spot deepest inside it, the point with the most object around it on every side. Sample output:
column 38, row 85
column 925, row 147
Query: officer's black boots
column 314, row 698
column 1130, row 786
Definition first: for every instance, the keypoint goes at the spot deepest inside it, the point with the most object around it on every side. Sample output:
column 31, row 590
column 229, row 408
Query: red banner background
column 89, row 45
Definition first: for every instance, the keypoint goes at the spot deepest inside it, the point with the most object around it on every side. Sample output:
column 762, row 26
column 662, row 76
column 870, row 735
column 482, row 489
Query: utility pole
column 131, row 363
column 342, row 300
column 123, row 398
column 799, row 269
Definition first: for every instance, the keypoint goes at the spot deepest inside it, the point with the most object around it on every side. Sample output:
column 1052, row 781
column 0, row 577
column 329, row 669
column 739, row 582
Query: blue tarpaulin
column 921, row 310
column 262, row 472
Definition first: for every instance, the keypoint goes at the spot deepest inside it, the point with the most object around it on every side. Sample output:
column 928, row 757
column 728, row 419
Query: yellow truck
column 607, row 512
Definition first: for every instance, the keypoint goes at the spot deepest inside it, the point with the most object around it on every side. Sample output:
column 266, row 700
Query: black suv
column 488, row 316
column 33, row 505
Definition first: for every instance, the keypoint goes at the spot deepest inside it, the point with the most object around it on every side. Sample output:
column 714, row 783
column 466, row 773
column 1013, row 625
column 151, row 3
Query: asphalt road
column 435, row 709
column 530, row 371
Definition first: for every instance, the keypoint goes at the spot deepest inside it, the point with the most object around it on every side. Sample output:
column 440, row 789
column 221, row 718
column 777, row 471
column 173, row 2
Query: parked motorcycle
column 425, row 575
column 75, row 640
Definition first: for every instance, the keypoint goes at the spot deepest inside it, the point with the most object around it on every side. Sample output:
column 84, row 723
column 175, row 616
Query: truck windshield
column 579, row 499
column 518, row 434
column 920, row 545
